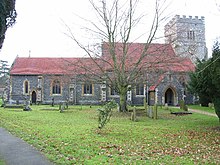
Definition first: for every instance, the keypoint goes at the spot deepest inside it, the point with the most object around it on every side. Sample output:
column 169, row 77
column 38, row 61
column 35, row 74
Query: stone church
column 45, row 79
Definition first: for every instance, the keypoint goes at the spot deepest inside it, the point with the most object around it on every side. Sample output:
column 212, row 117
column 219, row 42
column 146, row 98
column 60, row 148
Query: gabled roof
column 159, row 56
column 153, row 87
column 135, row 49
column 39, row 66
column 52, row 66
column 156, row 56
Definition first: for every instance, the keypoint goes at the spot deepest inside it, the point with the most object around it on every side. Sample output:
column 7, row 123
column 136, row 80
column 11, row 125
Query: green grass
column 72, row 137
column 2, row 162
column 207, row 109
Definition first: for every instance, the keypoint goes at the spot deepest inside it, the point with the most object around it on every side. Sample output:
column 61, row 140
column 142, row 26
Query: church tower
column 187, row 36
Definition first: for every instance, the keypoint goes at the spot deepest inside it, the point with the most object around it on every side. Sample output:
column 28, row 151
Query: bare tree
column 122, row 63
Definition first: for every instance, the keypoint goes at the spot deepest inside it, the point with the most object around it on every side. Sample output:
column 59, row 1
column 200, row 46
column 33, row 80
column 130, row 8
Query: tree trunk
column 216, row 102
column 123, row 102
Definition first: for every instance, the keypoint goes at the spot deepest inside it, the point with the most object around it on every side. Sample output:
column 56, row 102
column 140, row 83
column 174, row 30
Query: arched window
column 39, row 85
column 26, row 87
column 56, row 88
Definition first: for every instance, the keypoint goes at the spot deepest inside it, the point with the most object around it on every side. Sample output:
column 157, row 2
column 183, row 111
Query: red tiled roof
column 52, row 66
column 135, row 49
column 159, row 56
column 39, row 66
column 153, row 87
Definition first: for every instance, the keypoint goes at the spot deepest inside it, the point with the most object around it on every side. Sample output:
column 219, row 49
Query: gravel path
column 202, row 112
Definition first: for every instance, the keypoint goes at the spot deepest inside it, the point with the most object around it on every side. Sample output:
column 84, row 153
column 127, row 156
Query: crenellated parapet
column 185, row 19
column 187, row 36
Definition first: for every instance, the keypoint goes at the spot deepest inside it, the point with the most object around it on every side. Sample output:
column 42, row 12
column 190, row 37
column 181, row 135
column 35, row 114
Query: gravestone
column 134, row 115
column 27, row 105
column 166, row 106
column 62, row 107
column 150, row 112
column 52, row 102
column 3, row 101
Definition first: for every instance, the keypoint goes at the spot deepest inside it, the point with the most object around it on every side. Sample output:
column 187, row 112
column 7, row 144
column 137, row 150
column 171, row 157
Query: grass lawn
column 2, row 161
column 72, row 137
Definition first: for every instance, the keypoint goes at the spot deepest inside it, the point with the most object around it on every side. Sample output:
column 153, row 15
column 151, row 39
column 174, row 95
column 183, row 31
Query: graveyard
column 73, row 136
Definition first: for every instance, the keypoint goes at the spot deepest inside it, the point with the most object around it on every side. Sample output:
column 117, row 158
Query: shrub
column 217, row 107
column 183, row 106
column 105, row 113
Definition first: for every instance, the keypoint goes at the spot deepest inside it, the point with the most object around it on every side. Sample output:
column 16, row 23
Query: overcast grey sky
column 39, row 31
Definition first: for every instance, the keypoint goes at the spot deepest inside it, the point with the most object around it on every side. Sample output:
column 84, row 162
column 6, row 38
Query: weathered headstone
column 62, row 107
column 27, row 105
column 150, row 112
column 3, row 101
column 145, row 103
column 166, row 106
column 134, row 115
column 52, row 102
column 211, row 105
column 118, row 107
column 155, row 112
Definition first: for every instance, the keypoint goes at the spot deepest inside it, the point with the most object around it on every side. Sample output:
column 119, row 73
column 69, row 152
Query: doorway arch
column 170, row 96
column 33, row 97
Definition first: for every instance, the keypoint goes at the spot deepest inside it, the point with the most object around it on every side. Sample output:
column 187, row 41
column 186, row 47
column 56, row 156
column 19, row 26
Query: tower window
column 190, row 35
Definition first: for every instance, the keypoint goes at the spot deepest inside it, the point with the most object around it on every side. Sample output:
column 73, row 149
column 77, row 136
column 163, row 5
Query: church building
column 43, row 80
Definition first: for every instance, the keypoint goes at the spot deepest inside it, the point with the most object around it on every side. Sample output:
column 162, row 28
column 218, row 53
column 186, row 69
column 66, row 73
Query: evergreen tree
column 7, row 17
column 215, row 73
column 205, row 80
column 199, row 84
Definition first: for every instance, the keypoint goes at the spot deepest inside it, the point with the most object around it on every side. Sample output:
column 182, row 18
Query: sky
column 41, row 25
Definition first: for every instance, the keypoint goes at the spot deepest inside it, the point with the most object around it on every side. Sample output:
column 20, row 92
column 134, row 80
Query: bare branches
column 122, row 62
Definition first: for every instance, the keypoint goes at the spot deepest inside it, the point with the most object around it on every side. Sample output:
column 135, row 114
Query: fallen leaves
column 200, row 146
column 73, row 139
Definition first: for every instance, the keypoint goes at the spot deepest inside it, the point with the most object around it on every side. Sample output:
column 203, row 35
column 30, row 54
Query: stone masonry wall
column 16, row 93
column 176, row 33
